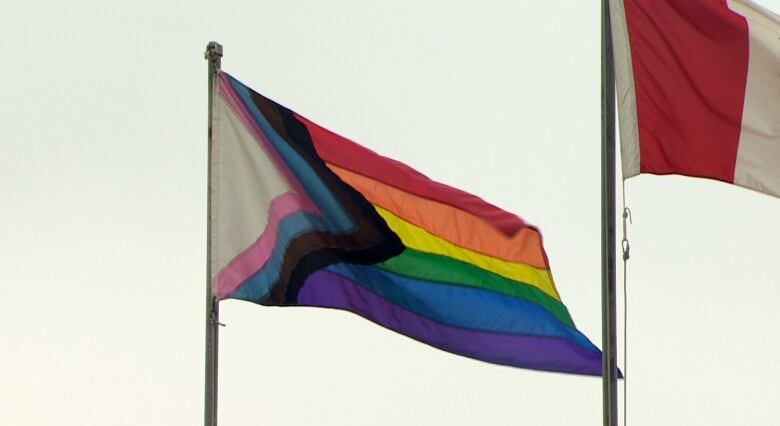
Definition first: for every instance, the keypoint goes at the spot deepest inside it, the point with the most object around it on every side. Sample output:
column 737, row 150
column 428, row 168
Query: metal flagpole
column 214, row 58
column 608, row 250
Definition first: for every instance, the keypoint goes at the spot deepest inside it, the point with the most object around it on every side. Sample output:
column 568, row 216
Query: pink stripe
column 233, row 100
column 256, row 256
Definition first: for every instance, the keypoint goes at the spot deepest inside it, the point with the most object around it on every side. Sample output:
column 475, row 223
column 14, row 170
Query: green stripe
column 432, row 267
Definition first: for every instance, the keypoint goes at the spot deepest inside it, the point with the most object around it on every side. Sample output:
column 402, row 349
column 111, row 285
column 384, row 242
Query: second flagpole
column 608, row 224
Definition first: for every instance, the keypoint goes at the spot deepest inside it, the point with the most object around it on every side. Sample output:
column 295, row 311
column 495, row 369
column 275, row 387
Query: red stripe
column 346, row 154
column 690, row 61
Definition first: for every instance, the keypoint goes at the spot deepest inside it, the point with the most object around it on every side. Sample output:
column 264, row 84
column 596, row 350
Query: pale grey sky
column 103, row 218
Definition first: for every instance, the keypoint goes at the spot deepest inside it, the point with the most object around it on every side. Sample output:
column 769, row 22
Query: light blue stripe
column 258, row 286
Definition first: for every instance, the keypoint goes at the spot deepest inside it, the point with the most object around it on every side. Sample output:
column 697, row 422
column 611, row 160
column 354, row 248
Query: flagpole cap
column 213, row 50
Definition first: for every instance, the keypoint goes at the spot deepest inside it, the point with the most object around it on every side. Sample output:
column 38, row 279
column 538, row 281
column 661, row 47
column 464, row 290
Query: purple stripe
column 328, row 290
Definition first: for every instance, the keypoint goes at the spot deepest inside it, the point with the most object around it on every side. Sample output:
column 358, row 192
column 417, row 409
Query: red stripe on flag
column 344, row 153
column 690, row 62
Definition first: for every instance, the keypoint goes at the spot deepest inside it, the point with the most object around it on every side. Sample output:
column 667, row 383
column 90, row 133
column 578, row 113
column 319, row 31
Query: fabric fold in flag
column 302, row 216
column 698, row 85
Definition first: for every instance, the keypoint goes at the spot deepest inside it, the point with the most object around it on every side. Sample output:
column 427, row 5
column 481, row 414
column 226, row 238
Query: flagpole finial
column 213, row 51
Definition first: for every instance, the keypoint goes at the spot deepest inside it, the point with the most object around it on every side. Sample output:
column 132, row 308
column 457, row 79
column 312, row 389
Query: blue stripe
column 336, row 217
column 459, row 306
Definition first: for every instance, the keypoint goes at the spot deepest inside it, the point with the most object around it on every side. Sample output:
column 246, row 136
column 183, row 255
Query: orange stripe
column 452, row 224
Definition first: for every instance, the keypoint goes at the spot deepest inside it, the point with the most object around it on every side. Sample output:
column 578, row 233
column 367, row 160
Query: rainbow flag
column 302, row 216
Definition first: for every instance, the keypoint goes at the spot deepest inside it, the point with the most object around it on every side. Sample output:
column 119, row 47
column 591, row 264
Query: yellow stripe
column 419, row 239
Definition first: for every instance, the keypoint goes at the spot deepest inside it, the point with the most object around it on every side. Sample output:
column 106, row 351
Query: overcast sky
column 103, row 197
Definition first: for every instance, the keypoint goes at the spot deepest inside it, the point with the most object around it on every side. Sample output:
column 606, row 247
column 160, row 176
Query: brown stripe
column 372, row 242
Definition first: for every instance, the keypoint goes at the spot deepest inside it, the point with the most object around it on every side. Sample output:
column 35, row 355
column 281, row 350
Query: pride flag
column 302, row 216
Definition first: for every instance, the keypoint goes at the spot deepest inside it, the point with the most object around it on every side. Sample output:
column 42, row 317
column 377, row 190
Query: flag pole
column 608, row 225
column 214, row 58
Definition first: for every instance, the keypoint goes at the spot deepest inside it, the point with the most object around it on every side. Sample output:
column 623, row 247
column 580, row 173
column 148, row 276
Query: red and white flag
column 698, row 89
